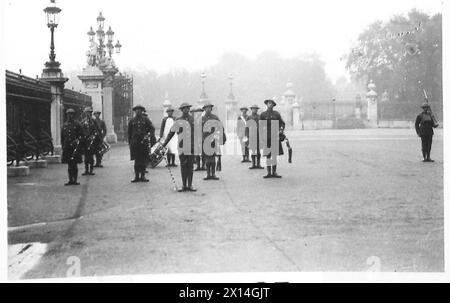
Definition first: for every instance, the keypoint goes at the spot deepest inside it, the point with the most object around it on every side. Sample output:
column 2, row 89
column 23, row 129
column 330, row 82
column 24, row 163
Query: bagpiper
column 140, row 132
column 241, row 130
column 166, row 125
column 91, row 141
column 425, row 122
column 219, row 139
column 102, row 127
column 271, row 115
column 253, row 135
column 185, row 152
column 71, row 139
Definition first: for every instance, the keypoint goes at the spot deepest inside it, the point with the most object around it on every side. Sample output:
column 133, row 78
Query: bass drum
column 157, row 154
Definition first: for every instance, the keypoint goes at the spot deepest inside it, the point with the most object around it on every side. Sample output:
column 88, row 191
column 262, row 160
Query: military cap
column 170, row 109
column 254, row 106
column 244, row 108
column 425, row 105
column 97, row 112
column 70, row 111
column 185, row 104
column 88, row 109
column 139, row 107
column 207, row 104
column 270, row 100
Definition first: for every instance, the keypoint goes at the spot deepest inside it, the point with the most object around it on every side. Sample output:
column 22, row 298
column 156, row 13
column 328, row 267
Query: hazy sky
column 192, row 34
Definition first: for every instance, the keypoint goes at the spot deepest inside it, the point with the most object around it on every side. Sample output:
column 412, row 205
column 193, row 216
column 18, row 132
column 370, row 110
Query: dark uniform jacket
column 220, row 132
column 425, row 124
column 140, row 132
column 272, row 116
column 71, row 138
column 253, row 117
column 101, row 125
column 91, row 134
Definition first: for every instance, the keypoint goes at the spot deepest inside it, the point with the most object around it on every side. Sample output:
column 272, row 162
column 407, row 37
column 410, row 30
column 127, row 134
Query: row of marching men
column 83, row 139
column 141, row 130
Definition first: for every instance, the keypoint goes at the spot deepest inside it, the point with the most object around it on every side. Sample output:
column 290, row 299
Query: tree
column 402, row 57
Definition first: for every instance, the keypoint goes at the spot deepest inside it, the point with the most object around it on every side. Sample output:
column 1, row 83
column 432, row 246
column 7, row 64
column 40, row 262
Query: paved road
column 351, row 200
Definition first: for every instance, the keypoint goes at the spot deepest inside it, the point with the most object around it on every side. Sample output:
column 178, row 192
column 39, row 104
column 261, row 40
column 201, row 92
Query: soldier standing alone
column 91, row 141
column 140, row 132
column 71, row 137
column 102, row 127
column 270, row 116
column 425, row 122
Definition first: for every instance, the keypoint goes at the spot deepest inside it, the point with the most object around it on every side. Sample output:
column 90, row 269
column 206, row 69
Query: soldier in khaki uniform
column 185, row 152
column 71, row 139
column 140, row 132
column 214, row 148
column 270, row 115
column 253, row 136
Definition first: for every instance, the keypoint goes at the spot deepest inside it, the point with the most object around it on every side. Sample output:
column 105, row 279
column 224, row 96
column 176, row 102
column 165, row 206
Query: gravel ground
column 352, row 199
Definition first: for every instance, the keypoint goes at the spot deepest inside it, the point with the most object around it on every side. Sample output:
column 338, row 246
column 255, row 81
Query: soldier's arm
column 417, row 125
column 130, row 131
column 104, row 128
column 163, row 125
column 282, row 123
column 62, row 134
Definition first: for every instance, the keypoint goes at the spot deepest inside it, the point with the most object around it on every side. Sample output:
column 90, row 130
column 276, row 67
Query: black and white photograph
column 263, row 138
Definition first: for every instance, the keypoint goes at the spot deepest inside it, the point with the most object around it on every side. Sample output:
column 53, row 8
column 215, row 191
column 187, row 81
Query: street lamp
column 105, row 42
column 100, row 20
column 118, row 47
column 91, row 35
column 203, row 79
column 231, row 78
column 52, row 13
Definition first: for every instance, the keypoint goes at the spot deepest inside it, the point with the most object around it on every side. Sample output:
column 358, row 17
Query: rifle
column 435, row 121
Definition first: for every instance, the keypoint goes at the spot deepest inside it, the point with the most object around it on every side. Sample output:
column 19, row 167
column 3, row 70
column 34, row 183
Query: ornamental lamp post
column 52, row 14
column 118, row 46
column 53, row 75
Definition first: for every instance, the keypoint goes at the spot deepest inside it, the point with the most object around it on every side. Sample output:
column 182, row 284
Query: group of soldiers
column 205, row 153
column 82, row 139
column 254, row 147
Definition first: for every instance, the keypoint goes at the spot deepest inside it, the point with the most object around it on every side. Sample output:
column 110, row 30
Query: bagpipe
column 91, row 142
column 157, row 153
column 76, row 150
column 104, row 148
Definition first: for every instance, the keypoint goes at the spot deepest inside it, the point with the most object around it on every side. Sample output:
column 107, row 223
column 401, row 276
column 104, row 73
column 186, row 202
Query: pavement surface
column 352, row 200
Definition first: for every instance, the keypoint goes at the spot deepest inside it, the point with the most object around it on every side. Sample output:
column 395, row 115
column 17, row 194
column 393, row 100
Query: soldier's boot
column 258, row 162
column 424, row 154
column 274, row 172
column 269, row 173
column 86, row 169
column 253, row 162
column 75, row 177
column 219, row 163
column 243, row 159
column 91, row 169
column 428, row 157
column 190, row 187
column 208, row 172
column 203, row 162
column 136, row 176
column 143, row 179
column 183, row 179
column 70, row 178
column 213, row 172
